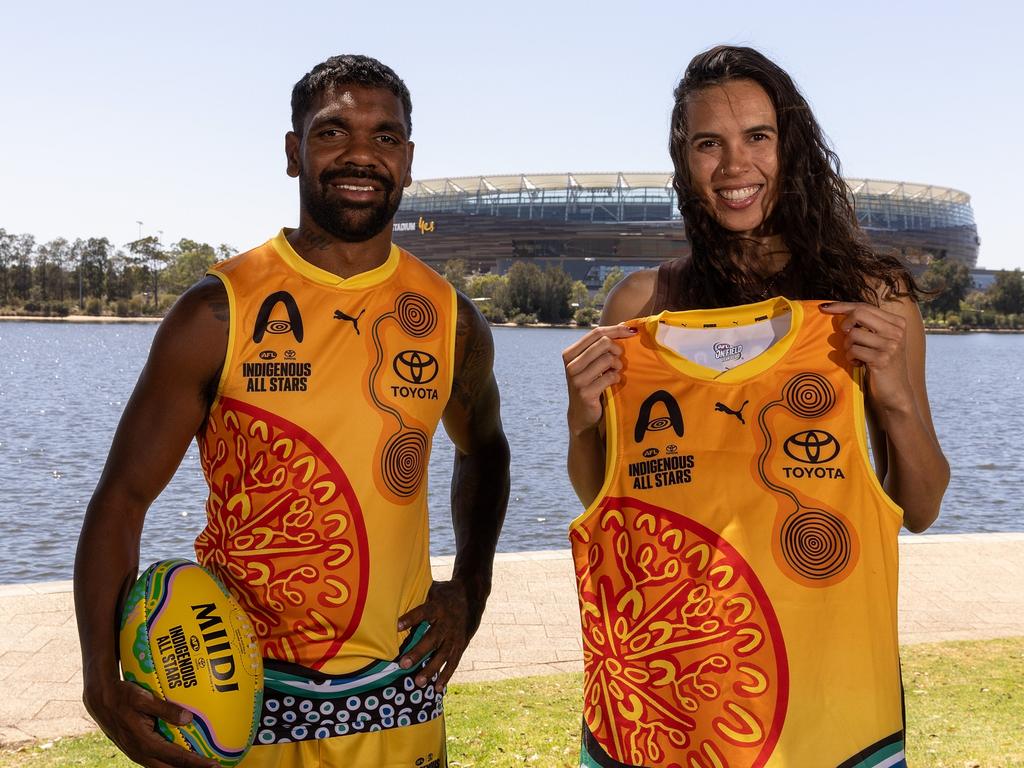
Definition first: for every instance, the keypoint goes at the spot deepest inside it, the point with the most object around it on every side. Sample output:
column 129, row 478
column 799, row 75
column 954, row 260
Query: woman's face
column 732, row 153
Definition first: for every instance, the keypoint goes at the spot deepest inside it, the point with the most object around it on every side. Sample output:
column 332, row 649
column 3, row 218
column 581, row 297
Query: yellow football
column 185, row 639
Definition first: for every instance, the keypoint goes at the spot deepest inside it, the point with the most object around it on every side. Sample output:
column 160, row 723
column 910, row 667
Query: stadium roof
column 484, row 185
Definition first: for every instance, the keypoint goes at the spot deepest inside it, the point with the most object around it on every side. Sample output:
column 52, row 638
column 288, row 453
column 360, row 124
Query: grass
column 965, row 709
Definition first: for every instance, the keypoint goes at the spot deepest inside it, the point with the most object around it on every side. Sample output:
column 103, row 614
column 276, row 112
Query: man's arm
column 480, row 484
column 167, row 408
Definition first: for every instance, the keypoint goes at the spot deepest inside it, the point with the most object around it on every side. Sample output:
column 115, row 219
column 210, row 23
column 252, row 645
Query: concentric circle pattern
column 815, row 543
column 809, row 395
column 416, row 315
column 402, row 463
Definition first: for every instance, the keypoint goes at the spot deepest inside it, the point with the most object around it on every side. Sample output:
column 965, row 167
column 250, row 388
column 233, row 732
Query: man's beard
column 347, row 222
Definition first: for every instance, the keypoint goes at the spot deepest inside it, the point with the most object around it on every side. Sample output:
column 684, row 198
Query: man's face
column 353, row 160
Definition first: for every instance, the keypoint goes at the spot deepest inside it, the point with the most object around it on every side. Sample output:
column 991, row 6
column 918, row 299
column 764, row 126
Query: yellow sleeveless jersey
column 738, row 572
column 316, row 450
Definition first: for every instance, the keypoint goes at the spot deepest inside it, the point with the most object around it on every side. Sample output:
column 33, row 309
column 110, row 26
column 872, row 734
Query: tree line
column 527, row 294
column 951, row 300
column 95, row 277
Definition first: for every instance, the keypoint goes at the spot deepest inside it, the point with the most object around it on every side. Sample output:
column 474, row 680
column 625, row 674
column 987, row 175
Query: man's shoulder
column 242, row 260
column 412, row 265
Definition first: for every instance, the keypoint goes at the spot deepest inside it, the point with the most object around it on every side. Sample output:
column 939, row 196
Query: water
column 63, row 387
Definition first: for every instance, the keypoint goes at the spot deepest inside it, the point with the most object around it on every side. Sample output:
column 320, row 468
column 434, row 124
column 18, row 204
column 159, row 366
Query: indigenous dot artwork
column 684, row 658
column 377, row 697
column 814, row 546
column 285, row 532
column 323, row 714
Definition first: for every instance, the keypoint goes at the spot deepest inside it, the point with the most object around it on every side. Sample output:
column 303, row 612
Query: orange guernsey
column 737, row 573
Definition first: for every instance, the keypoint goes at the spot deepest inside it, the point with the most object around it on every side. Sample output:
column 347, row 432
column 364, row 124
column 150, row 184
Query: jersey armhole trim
column 611, row 459
column 232, row 325
column 453, row 325
column 860, row 425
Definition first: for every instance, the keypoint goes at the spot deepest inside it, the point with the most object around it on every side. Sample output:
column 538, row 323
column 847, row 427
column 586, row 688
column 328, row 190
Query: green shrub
column 492, row 312
column 525, row 319
column 586, row 316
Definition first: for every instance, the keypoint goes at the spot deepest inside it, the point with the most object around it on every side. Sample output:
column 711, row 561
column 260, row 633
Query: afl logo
column 415, row 367
column 650, row 453
column 268, row 354
column 812, row 446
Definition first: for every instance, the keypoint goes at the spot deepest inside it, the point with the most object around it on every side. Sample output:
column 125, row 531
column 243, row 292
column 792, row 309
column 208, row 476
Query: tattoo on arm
column 473, row 364
column 221, row 310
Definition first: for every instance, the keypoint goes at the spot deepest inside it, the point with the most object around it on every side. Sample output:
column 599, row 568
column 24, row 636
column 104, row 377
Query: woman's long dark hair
column 813, row 212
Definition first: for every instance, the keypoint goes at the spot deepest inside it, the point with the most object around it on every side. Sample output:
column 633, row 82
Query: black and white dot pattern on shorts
column 398, row 704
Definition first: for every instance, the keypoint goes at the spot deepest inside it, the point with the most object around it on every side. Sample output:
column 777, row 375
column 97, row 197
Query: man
column 312, row 371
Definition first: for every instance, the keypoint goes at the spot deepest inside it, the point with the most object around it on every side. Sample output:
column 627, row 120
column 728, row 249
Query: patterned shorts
column 302, row 704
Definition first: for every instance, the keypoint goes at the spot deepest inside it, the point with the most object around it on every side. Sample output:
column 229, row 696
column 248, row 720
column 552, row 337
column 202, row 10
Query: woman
column 737, row 562
column 767, row 213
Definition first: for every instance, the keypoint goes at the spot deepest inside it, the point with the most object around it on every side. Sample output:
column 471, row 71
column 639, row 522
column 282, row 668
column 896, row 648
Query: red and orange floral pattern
column 284, row 532
column 684, row 658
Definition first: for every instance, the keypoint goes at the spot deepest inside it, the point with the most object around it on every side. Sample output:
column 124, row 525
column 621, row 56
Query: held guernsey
column 737, row 573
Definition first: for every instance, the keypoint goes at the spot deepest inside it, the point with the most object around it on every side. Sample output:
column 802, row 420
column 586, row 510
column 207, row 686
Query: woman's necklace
column 770, row 284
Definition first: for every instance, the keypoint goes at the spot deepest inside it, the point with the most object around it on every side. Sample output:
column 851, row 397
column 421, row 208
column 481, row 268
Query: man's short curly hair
column 348, row 69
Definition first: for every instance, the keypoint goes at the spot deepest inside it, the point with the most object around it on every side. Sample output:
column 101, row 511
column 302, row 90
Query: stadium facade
column 590, row 223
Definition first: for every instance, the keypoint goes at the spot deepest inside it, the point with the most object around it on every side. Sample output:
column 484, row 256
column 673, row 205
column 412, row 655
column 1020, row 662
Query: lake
column 63, row 387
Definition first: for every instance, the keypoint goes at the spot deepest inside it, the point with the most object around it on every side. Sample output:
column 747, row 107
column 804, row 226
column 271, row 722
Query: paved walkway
column 952, row 587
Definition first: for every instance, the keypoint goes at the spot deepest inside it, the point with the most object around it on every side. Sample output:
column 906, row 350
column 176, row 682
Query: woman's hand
column 591, row 365
column 889, row 342
column 877, row 339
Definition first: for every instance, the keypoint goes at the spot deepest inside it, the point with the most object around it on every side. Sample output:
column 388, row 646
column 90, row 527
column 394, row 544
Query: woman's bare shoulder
column 633, row 296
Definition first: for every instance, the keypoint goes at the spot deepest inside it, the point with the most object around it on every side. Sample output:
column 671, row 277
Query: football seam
column 156, row 674
column 149, row 640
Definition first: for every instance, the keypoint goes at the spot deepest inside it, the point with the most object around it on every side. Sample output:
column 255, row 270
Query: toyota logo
column 812, row 446
column 415, row 367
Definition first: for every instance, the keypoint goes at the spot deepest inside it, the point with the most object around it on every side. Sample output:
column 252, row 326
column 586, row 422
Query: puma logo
column 339, row 315
column 723, row 408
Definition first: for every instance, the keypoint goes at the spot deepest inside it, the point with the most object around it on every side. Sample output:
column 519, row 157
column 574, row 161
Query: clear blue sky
column 175, row 115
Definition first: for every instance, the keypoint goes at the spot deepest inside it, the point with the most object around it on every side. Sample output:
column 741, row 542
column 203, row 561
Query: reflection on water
column 63, row 387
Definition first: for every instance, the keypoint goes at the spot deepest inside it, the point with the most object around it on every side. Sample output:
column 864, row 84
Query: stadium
column 590, row 223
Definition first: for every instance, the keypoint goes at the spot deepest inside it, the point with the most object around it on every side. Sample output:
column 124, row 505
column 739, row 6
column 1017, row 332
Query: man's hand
column 453, row 618
column 127, row 714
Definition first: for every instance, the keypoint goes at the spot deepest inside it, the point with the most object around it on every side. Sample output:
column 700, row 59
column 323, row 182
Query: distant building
column 590, row 223
column 984, row 278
